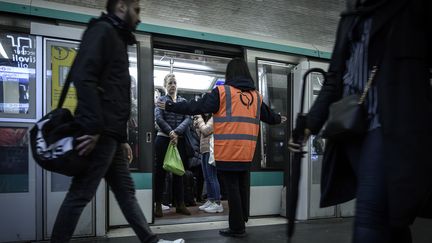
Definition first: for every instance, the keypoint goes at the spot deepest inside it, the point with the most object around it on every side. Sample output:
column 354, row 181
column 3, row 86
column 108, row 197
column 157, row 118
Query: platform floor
column 320, row 231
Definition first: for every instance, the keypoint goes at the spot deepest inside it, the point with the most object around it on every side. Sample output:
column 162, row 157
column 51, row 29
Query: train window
column 17, row 75
column 14, row 160
column 274, row 83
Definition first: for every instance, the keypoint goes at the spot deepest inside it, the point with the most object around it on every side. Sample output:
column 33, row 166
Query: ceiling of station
column 311, row 22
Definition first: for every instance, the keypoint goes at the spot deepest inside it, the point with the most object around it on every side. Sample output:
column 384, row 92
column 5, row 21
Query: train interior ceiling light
column 194, row 72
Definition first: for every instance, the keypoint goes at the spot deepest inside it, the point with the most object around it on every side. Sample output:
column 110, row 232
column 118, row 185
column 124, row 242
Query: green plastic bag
column 172, row 161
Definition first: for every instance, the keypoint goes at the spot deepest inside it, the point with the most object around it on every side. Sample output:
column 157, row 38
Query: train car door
column 273, row 74
column 58, row 56
column 313, row 161
column 140, row 130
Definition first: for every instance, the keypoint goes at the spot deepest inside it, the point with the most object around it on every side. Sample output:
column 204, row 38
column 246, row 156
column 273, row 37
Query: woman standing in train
column 390, row 167
column 171, row 128
column 204, row 125
column 237, row 110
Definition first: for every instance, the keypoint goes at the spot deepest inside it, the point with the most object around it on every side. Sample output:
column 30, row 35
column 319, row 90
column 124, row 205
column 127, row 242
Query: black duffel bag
column 52, row 140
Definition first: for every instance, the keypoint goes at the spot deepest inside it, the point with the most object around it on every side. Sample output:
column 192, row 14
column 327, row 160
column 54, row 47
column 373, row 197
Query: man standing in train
column 101, row 77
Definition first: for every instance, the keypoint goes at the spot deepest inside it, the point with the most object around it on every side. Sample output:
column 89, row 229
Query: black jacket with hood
column 210, row 104
column 101, row 76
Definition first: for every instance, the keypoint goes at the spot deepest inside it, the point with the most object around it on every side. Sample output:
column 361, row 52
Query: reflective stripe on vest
column 236, row 124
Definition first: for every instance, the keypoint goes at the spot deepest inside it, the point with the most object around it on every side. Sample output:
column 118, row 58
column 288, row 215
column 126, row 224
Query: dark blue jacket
column 170, row 121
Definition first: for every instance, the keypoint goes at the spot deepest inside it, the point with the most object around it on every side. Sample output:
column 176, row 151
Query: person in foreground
column 388, row 169
column 103, row 109
column 237, row 109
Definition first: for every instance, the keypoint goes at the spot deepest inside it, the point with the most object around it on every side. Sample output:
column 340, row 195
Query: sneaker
column 172, row 241
column 205, row 205
column 164, row 207
column 214, row 208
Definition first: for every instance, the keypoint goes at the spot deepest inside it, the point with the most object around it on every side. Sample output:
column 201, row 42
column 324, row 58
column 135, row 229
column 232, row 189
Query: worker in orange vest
column 237, row 109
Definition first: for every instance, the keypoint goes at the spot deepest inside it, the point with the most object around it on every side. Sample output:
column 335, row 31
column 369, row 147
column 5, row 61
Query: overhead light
column 178, row 64
column 188, row 81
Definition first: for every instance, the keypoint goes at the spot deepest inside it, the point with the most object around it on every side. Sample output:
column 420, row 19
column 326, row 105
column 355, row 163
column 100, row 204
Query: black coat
column 100, row 74
column 404, row 108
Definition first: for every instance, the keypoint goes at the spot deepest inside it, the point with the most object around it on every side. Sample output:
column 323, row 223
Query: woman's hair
column 168, row 77
column 236, row 69
column 111, row 4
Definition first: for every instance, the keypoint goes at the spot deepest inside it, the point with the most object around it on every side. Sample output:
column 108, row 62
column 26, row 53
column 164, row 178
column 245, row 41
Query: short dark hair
column 236, row 69
column 110, row 5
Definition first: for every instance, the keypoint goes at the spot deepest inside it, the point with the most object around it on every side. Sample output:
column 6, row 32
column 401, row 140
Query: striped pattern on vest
column 236, row 124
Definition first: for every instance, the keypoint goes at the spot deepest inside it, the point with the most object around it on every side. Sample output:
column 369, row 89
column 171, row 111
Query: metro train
column 37, row 49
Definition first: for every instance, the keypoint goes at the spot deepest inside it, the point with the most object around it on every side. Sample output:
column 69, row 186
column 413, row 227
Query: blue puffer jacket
column 170, row 121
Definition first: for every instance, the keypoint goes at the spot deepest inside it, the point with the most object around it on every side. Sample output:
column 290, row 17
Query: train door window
column 17, row 75
column 133, row 135
column 274, row 80
column 14, row 162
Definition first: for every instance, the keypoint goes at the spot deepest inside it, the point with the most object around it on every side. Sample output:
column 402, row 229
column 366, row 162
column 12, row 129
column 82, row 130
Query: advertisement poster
column 61, row 62
column 17, row 72
column 14, row 159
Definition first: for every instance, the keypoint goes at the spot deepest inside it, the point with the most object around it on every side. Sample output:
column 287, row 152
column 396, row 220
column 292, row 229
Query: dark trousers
column 161, row 146
column 107, row 160
column 371, row 222
column 237, row 188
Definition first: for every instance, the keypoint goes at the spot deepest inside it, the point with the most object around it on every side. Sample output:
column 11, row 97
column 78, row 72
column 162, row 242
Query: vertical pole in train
column 294, row 168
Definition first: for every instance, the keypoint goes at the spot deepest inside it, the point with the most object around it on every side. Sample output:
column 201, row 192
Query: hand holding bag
column 172, row 161
column 348, row 116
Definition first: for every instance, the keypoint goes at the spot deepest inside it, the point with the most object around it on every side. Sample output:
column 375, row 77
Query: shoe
column 182, row 209
column 164, row 207
column 214, row 208
column 232, row 233
column 172, row 241
column 158, row 210
column 206, row 204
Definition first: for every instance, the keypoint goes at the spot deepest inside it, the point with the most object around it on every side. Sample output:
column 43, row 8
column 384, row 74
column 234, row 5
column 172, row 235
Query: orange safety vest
column 236, row 124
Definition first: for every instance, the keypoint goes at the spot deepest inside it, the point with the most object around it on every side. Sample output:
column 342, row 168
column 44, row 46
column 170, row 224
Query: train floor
column 263, row 231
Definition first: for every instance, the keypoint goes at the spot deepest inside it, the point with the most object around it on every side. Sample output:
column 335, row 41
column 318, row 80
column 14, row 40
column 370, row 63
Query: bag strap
column 69, row 80
column 65, row 89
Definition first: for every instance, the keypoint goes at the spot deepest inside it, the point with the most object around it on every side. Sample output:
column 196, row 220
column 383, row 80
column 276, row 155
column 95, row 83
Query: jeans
column 237, row 187
column 371, row 223
column 210, row 177
column 107, row 160
column 161, row 146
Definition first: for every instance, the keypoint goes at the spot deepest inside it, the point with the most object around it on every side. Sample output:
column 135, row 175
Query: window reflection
column 14, row 158
column 17, row 72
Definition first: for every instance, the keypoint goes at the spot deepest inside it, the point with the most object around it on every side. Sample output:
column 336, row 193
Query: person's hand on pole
column 295, row 147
